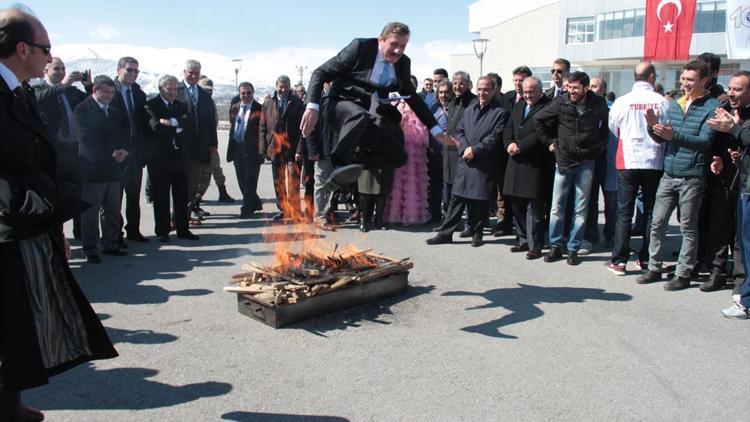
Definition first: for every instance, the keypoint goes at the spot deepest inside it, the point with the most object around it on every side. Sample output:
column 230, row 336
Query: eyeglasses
column 556, row 71
column 45, row 48
column 131, row 70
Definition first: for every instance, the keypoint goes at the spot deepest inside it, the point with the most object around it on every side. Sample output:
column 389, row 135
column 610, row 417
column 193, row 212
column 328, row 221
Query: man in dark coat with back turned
column 36, row 344
column 357, row 108
column 479, row 133
column 530, row 169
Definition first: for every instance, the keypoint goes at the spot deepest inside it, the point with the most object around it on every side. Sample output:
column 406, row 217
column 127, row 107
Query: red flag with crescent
column 669, row 29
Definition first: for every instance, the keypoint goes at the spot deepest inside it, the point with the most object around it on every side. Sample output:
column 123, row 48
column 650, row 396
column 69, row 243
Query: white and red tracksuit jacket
column 627, row 120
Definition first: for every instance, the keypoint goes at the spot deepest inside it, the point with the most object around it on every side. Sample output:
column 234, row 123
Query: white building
column 601, row 37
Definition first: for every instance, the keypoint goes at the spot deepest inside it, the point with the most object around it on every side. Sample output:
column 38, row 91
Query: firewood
column 248, row 290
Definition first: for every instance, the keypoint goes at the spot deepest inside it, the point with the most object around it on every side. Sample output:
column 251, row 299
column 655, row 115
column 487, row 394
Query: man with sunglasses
column 41, row 306
column 560, row 67
column 129, row 101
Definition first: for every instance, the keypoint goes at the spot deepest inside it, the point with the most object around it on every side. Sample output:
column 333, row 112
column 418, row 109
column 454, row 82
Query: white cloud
column 104, row 32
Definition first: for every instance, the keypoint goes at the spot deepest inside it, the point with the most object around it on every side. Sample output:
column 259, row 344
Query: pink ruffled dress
column 407, row 202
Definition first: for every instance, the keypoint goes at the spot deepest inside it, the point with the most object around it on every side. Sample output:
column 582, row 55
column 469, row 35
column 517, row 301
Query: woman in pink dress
column 407, row 202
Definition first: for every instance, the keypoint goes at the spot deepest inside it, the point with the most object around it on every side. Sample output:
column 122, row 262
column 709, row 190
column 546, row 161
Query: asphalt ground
column 480, row 335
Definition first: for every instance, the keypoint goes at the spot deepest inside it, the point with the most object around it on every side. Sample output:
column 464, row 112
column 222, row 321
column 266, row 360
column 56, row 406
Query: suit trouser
column 105, row 209
column 286, row 179
column 323, row 169
column 356, row 127
column 717, row 224
column 629, row 183
column 308, row 182
column 528, row 214
column 477, row 210
column 130, row 185
column 685, row 193
column 169, row 174
column 503, row 213
column 435, row 186
column 247, row 169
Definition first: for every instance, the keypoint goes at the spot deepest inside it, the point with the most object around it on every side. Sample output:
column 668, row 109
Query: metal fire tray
column 278, row 316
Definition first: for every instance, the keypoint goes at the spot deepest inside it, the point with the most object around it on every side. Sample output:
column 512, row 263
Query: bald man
column 37, row 341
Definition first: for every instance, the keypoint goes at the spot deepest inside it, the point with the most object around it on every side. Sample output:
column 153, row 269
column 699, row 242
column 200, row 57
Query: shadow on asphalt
column 119, row 388
column 278, row 417
column 354, row 317
column 522, row 303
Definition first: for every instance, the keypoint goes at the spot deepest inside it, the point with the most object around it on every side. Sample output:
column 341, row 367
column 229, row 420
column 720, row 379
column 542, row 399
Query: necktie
column 282, row 106
column 385, row 76
column 526, row 111
column 104, row 109
column 193, row 96
column 129, row 106
column 239, row 130
column 174, row 140
column 66, row 124
column 21, row 95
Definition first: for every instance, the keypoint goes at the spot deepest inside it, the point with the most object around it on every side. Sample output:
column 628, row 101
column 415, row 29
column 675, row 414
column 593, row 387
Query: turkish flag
column 669, row 29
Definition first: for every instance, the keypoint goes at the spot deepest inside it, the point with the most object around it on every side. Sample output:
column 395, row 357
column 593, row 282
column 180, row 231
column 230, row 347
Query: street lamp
column 238, row 64
column 480, row 47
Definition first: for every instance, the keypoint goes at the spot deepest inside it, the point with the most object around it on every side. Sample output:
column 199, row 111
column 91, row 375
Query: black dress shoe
column 187, row 236
column 477, row 241
column 137, row 237
column 439, row 240
column 466, row 233
column 163, row 239
column 573, row 258
column 533, row 254
column 343, row 176
column 520, row 248
column 363, row 228
column 93, row 259
column 715, row 281
column 246, row 214
column 114, row 252
column 554, row 254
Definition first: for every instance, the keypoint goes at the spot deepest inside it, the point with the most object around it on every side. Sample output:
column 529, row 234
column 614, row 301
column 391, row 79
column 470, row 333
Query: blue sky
column 238, row 27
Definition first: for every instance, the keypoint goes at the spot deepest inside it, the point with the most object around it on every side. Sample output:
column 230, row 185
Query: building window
column 580, row 30
column 621, row 24
column 710, row 17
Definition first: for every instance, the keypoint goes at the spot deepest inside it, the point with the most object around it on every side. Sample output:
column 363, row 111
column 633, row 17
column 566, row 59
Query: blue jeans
column 743, row 233
column 578, row 179
column 687, row 193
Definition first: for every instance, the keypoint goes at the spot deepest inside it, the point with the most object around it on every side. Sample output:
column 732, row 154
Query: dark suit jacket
column 288, row 123
column 29, row 195
column 482, row 130
column 528, row 174
column 455, row 113
column 134, row 137
column 203, row 135
column 349, row 73
column 508, row 100
column 99, row 135
column 158, row 145
column 550, row 93
column 251, row 135
column 52, row 112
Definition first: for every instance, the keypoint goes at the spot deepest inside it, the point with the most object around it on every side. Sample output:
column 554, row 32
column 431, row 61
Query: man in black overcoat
column 530, row 169
column 479, row 135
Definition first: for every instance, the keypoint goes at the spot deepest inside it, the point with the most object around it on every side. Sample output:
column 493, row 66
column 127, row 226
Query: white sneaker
column 585, row 248
column 736, row 311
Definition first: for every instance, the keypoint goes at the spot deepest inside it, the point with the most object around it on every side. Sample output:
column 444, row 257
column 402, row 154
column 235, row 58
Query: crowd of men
column 534, row 158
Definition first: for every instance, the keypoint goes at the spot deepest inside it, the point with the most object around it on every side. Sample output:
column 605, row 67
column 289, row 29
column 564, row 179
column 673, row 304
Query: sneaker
column 736, row 311
column 677, row 283
column 586, row 247
column 617, row 269
column 648, row 277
